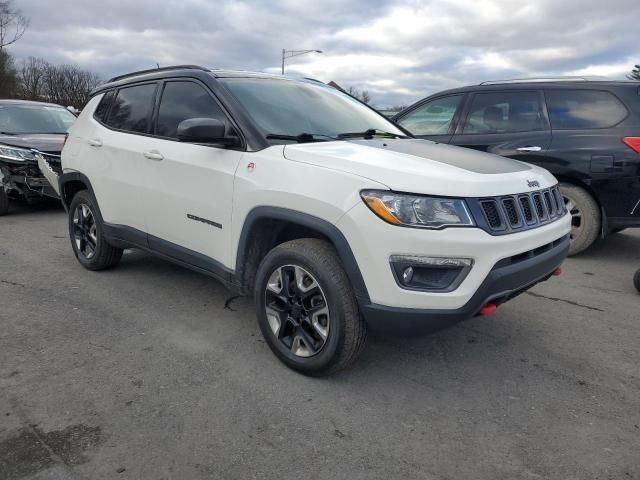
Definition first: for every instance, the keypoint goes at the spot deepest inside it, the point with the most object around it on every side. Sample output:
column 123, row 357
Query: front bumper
column 505, row 281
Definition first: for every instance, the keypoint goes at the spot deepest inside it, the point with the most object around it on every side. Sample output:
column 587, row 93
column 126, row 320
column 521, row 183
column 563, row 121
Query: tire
column 328, row 340
column 586, row 218
column 636, row 280
column 86, row 234
column 4, row 201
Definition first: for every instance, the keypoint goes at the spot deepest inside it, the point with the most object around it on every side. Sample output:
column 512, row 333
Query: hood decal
column 464, row 158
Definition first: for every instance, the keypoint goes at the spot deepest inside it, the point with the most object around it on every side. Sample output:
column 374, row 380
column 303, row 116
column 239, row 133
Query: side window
column 103, row 107
column 132, row 108
column 580, row 109
column 505, row 112
column 432, row 118
column 181, row 101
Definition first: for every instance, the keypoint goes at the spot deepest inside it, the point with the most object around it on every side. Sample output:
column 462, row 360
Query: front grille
column 511, row 213
column 492, row 214
column 509, row 205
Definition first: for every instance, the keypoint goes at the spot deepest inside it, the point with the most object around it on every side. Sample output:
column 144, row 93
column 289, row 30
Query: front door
column 190, row 186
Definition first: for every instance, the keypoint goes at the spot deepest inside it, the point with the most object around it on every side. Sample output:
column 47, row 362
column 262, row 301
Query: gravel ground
column 148, row 371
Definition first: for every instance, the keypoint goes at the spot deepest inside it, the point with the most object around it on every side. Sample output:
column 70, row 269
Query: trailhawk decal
column 204, row 220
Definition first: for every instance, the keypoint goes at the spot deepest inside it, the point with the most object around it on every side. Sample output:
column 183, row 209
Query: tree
column 635, row 73
column 13, row 24
column 69, row 85
column 31, row 78
column 362, row 95
column 66, row 85
column 8, row 79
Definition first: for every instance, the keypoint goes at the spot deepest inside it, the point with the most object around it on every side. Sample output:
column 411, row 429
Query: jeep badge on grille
column 533, row 184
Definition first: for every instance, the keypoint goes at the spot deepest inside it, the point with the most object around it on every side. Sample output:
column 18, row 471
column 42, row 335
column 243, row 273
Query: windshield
column 27, row 119
column 285, row 107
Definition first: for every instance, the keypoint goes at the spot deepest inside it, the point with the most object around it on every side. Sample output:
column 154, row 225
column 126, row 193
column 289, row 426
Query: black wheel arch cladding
column 311, row 222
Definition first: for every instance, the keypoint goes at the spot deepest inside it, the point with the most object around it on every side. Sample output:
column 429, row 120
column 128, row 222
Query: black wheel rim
column 85, row 234
column 297, row 310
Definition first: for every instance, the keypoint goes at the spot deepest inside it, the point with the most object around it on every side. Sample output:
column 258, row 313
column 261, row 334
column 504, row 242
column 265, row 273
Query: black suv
column 585, row 132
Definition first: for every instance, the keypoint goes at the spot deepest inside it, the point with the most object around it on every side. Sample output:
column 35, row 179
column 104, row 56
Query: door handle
column 95, row 142
column 153, row 155
column 529, row 149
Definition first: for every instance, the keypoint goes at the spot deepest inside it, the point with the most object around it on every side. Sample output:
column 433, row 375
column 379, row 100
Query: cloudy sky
column 398, row 50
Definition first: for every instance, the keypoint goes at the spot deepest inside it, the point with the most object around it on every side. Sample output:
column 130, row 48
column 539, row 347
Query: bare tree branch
column 13, row 23
column 362, row 95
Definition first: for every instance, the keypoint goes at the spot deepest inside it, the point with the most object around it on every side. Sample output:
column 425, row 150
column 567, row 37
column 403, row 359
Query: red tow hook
column 557, row 272
column 488, row 309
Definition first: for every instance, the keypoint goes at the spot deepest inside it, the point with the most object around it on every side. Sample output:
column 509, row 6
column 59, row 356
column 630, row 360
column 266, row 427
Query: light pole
column 295, row 53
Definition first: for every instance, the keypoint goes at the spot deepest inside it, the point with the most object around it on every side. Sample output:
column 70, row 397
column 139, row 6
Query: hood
column 45, row 142
column 421, row 166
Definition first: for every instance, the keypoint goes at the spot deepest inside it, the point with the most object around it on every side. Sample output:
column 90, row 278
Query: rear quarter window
column 103, row 107
column 584, row 109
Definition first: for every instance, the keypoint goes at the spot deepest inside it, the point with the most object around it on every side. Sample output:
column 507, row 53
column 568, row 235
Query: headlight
column 417, row 210
column 16, row 154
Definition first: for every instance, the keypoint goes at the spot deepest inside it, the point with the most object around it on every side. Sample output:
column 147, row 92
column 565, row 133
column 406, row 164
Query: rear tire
column 306, row 308
column 4, row 201
column 87, row 234
column 636, row 280
column 585, row 217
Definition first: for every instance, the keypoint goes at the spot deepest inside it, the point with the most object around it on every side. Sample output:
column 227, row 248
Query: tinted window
column 132, row 107
column 505, row 112
column 578, row 109
column 103, row 107
column 181, row 101
column 432, row 118
column 290, row 108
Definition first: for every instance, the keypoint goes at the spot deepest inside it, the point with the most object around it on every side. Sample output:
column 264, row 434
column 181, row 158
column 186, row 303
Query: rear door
column 119, row 167
column 435, row 119
column 589, row 127
column 510, row 123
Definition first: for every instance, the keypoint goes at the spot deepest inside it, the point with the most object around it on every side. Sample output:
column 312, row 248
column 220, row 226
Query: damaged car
column 31, row 138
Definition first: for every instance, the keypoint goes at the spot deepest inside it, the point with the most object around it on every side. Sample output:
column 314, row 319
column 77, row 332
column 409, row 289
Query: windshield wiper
column 300, row 138
column 7, row 133
column 370, row 133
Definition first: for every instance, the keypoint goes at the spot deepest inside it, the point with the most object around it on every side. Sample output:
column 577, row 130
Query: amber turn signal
column 377, row 206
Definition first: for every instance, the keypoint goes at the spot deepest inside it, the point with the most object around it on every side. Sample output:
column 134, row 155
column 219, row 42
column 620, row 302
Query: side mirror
column 205, row 130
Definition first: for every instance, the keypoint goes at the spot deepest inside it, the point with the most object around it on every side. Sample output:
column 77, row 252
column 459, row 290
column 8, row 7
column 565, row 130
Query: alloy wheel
column 297, row 310
column 576, row 216
column 85, row 233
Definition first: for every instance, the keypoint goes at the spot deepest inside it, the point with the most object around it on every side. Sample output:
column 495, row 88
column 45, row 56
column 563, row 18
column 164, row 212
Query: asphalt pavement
column 152, row 371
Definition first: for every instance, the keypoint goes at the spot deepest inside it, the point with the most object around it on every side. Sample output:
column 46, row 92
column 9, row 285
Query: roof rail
column 158, row 69
column 545, row 79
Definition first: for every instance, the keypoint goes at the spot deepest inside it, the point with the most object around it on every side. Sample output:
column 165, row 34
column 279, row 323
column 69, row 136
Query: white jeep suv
column 333, row 217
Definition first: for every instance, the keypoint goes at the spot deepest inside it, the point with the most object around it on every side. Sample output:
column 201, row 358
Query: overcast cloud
column 399, row 50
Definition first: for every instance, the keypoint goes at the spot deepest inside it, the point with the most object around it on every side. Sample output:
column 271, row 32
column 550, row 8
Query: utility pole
column 294, row 53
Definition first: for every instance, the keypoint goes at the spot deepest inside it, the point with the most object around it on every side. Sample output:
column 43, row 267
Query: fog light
column 429, row 274
column 407, row 275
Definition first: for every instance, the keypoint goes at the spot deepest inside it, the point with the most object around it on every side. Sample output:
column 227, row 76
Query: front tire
column 87, row 234
column 4, row 201
column 585, row 217
column 306, row 308
column 636, row 280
